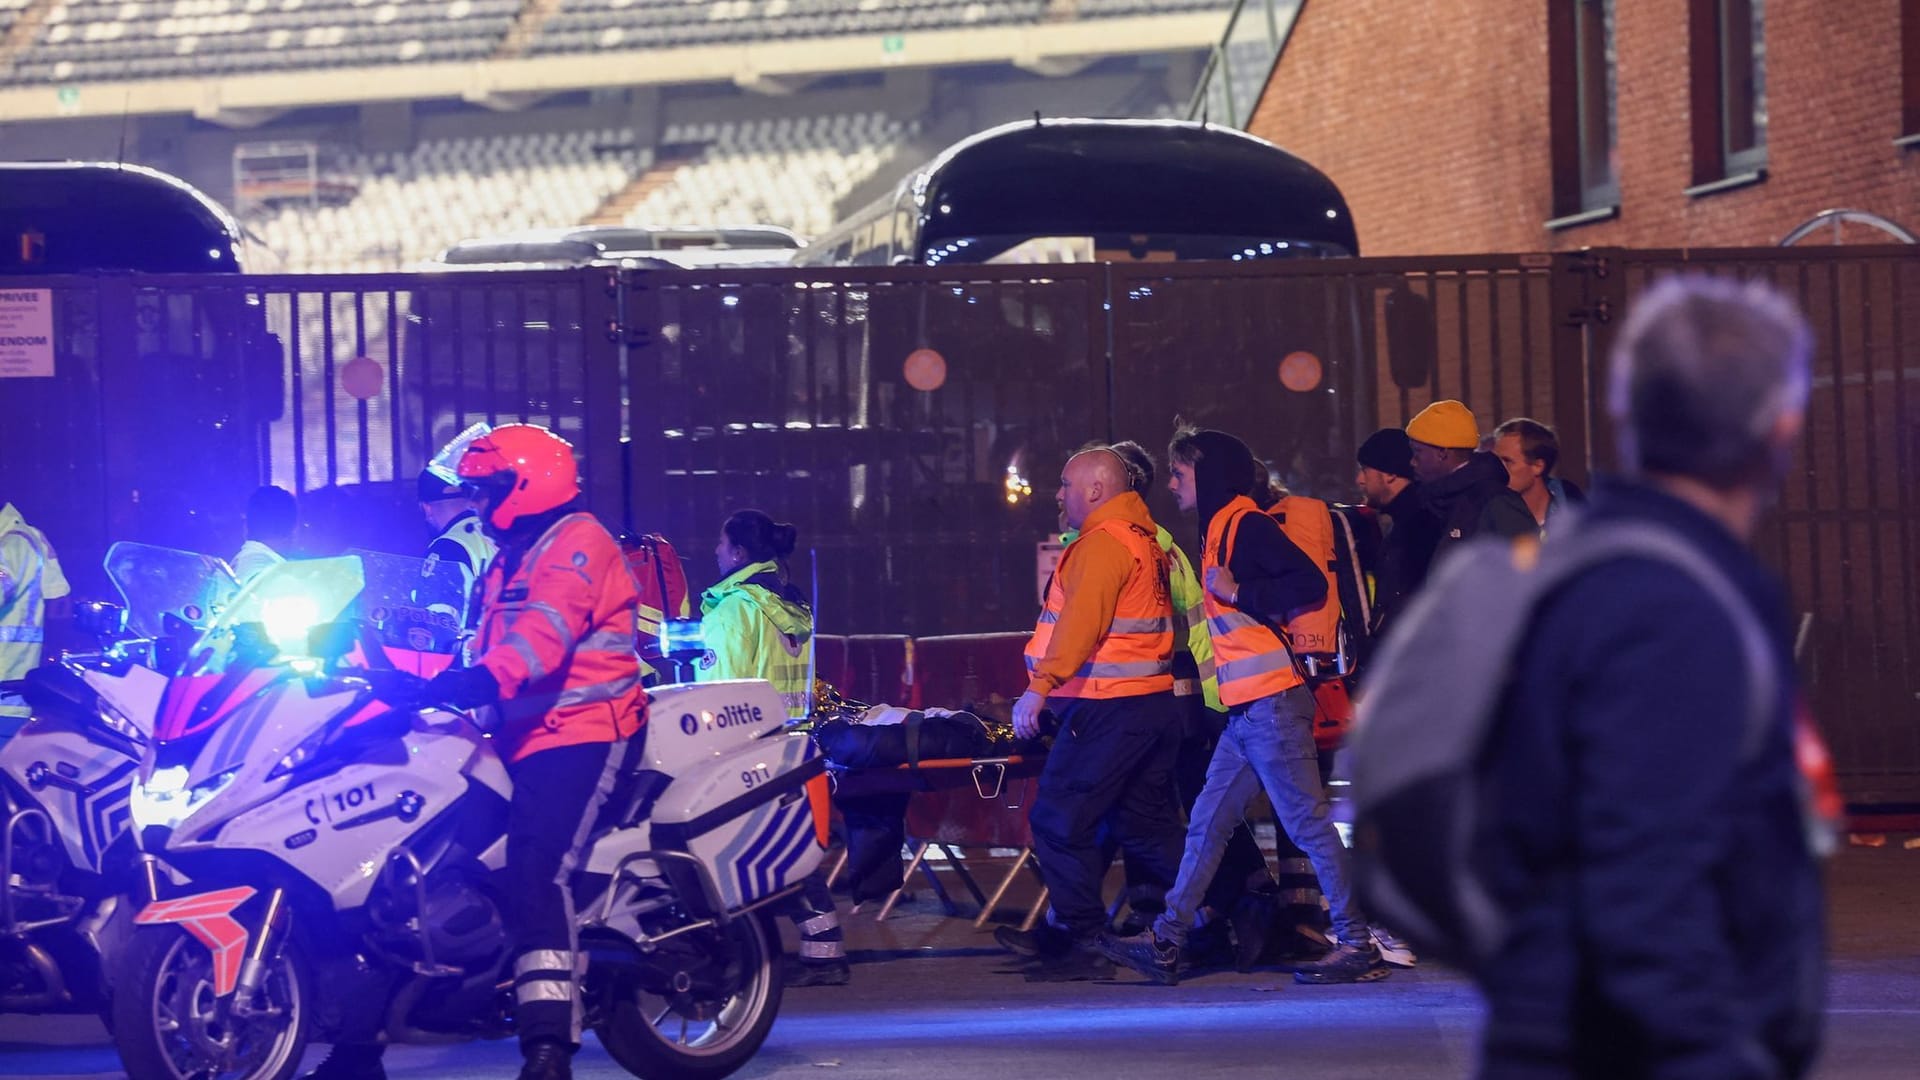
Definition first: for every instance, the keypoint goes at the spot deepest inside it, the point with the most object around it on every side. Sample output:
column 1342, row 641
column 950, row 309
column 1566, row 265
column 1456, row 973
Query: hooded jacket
column 1275, row 577
column 1474, row 500
column 757, row 626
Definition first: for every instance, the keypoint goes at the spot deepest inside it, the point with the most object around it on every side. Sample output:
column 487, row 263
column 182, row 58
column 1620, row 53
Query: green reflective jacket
column 751, row 632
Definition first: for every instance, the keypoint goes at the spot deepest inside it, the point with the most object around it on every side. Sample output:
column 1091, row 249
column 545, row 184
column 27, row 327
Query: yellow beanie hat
column 1446, row 424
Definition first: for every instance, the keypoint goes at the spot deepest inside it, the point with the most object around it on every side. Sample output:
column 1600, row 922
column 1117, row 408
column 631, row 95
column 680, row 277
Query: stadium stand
column 79, row 41
column 87, row 40
column 409, row 207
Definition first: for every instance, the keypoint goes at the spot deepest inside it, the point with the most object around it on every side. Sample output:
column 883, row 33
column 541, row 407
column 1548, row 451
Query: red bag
column 663, row 586
column 1332, row 713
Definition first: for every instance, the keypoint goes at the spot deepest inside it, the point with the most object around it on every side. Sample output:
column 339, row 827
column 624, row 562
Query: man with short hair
column 1101, row 660
column 1465, row 489
column 1648, row 844
column 1529, row 449
column 1413, row 530
column 271, row 515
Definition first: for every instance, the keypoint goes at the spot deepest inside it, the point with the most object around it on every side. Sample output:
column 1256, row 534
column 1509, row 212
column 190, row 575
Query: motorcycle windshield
column 287, row 601
column 412, row 603
column 155, row 582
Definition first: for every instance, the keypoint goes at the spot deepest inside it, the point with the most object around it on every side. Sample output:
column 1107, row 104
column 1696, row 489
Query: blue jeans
column 1268, row 744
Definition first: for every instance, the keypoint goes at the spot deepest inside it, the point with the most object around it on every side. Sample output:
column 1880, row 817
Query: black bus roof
column 69, row 217
column 1109, row 178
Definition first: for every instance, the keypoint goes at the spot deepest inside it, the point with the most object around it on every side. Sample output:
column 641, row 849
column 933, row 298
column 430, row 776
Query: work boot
column 547, row 1060
column 1345, row 963
column 1251, row 922
column 818, row 973
column 1043, row 940
column 351, row 1061
column 1146, row 953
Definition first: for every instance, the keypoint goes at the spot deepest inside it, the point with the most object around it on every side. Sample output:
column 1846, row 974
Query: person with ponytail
column 757, row 625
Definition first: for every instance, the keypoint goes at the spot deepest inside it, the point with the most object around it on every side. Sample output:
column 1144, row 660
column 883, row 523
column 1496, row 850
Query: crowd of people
column 1177, row 691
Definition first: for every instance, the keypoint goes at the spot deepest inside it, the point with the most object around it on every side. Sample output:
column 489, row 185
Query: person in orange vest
column 557, row 681
column 1101, row 661
column 1254, row 576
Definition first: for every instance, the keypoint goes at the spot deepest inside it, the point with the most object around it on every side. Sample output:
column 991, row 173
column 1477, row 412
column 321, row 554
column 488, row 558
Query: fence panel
column 911, row 423
column 1846, row 533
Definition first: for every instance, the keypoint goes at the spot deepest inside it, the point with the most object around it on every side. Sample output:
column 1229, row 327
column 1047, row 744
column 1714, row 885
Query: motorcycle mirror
column 100, row 618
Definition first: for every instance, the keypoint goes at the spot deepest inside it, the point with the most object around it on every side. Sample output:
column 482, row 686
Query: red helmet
column 523, row 469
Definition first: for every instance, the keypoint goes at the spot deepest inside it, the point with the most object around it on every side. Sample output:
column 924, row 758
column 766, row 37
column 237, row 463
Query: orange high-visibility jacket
column 1133, row 654
column 558, row 636
column 1250, row 660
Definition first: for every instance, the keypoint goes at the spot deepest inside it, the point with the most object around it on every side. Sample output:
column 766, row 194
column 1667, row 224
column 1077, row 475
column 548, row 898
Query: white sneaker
column 1393, row 950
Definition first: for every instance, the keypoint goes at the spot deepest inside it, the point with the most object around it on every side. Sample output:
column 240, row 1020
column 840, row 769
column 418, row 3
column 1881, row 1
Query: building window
column 1728, row 49
column 1584, row 94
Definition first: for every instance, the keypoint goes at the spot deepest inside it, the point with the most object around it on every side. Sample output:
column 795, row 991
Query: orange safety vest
column 558, row 636
column 1309, row 524
column 1250, row 660
column 1135, row 655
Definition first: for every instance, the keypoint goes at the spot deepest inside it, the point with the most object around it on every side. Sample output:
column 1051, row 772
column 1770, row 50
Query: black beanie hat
column 1389, row 451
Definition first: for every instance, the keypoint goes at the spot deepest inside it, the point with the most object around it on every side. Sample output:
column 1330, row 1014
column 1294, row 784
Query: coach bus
column 73, row 217
column 1106, row 190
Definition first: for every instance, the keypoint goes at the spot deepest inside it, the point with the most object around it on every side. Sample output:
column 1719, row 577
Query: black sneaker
column 1145, row 953
column 547, row 1061
column 1344, row 963
column 1042, row 940
column 1081, row 963
column 351, row 1061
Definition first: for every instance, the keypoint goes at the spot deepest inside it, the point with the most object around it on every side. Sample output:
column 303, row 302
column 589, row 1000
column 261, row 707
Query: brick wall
column 1433, row 119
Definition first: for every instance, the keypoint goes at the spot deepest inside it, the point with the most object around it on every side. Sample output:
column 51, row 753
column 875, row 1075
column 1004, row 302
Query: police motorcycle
column 314, row 841
column 66, row 776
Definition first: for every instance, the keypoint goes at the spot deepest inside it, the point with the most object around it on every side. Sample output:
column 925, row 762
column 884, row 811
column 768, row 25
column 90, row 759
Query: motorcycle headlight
column 300, row 754
column 116, row 721
column 164, row 799
column 287, row 620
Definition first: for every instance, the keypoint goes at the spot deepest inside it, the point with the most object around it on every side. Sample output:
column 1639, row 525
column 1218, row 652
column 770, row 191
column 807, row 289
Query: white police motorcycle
column 311, row 841
column 66, row 776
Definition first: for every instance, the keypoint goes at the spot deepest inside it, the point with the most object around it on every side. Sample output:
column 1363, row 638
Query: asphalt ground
column 931, row 996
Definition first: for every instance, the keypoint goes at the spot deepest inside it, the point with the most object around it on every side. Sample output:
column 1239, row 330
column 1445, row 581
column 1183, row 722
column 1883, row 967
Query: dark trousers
column 876, row 831
column 1111, row 765
column 556, row 797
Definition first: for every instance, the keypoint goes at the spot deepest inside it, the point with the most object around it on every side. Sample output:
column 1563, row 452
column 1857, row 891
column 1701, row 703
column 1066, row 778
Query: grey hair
column 1702, row 371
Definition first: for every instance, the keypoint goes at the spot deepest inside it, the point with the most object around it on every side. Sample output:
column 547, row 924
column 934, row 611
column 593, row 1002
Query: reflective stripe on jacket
column 558, row 636
column 29, row 577
column 1250, row 660
column 1135, row 653
column 751, row 632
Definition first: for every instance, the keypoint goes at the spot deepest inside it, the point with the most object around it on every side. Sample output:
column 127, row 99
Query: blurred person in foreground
column 1664, row 899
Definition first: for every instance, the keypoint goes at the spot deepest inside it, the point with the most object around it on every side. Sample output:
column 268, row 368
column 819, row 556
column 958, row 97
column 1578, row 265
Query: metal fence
column 912, row 422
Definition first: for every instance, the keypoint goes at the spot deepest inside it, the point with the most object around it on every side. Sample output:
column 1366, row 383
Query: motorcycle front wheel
column 667, row 1038
column 168, row 1025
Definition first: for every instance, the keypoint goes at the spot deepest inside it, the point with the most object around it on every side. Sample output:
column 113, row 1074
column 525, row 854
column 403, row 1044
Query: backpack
column 1434, row 693
column 662, row 583
column 1309, row 524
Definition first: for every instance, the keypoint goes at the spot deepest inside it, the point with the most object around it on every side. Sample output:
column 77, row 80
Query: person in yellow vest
column 1254, row 576
column 31, row 587
column 1101, row 661
column 459, row 553
column 756, row 625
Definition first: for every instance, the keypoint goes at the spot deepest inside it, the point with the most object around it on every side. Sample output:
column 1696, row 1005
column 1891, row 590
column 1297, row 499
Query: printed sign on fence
column 26, row 333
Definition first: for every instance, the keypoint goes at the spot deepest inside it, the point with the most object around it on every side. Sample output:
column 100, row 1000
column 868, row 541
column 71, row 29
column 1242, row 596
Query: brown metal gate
column 912, row 422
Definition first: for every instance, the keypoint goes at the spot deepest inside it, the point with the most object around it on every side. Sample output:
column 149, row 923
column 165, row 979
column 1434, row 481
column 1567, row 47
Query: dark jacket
column 1274, row 576
column 1474, row 500
column 1406, row 553
column 1667, row 913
